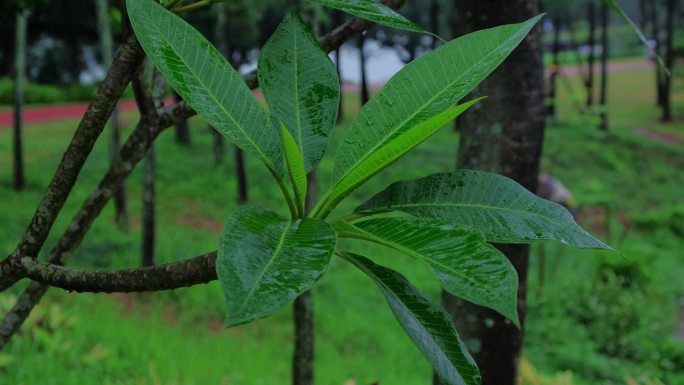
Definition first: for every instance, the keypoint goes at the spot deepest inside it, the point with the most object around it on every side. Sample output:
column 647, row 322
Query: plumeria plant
column 266, row 260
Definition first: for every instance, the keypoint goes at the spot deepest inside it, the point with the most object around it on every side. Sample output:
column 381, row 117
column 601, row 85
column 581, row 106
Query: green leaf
column 295, row 167
column 301, row 86
column 426, row 323
column 386, row 153
column 424, row 88
column 497, row 206
column 372, row 11
column 205, row 80
column 638, row 32
column 265, row 261
column 465, row 264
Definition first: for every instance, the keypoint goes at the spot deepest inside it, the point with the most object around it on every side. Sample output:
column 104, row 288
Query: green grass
column 177, row 338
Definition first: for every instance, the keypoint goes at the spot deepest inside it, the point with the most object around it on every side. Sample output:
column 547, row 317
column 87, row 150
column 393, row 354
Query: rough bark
column 504, row 134
column 603, row 116
column 591, row 42
column 189, row 272
column 106, row 50
column 19, row 82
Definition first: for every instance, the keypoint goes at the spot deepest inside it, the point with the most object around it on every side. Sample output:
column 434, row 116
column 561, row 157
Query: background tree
column 183, row 136
column 672, row 9
column 364, row 93
column 19, row 80
column 603, row 115
column 591, row 43
column 503, row 135
column 106, row 51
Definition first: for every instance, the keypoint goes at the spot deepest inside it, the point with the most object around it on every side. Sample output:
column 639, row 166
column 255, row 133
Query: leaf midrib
column 258, row 149
column 472, row 205
column 412, row 253
column 274, row 256
column 295, row 60
column 410, row 117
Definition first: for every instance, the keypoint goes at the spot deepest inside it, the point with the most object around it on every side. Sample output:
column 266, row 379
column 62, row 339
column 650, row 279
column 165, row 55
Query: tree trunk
column 107, row 50
column 604, row 67
column 591, row 42
column 241, row 176
column 157, row 87
column 643, row 16
column 148, row 209
column 182, row 130
column 303, row 358
column 669, row 61
column 365, row 96
column 555, row 69
column 503, row 134
column 655, row 35
column 19, row 80
column 304, row 346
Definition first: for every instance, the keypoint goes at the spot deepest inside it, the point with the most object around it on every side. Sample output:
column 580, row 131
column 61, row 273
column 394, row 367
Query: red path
column 75, row 111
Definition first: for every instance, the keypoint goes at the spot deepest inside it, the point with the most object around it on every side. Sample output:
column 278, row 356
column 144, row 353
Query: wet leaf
column 426, row 323
column 372, row 11
column 265, row 261
column 387, row 153
column 423, row 89
column 465, row 264
column 301, row 86
column 205, row 80
column 497, row 206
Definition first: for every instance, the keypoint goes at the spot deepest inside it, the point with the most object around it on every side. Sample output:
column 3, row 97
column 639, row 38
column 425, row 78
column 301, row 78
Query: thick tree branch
column 128, row 58
column 169, row 276
column 131, row 153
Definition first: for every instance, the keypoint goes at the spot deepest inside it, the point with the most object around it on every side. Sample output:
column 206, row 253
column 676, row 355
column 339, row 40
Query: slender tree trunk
column 303, row 358
column 669, row 61
column 219, row 144
column 19, row 80
column 591, row 42
column 655, row 35
column 304, row 339
column 107, row 50
column 156, row 83
column 604, row 67
column 365, row 95
column 505, row 135
column 555, row 69
column 643, row 16
column 182, row 130
column 148, row 209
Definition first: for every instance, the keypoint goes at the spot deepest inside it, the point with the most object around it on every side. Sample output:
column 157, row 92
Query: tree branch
column 131, row 153
column 92, row 123
column 190, row 272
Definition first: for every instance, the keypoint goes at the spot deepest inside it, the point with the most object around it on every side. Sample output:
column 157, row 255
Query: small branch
column 192, row 6
column 169, row 276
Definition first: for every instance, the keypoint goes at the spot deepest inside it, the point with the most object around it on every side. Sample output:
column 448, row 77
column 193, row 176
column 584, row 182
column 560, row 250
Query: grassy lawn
column 629, row 186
